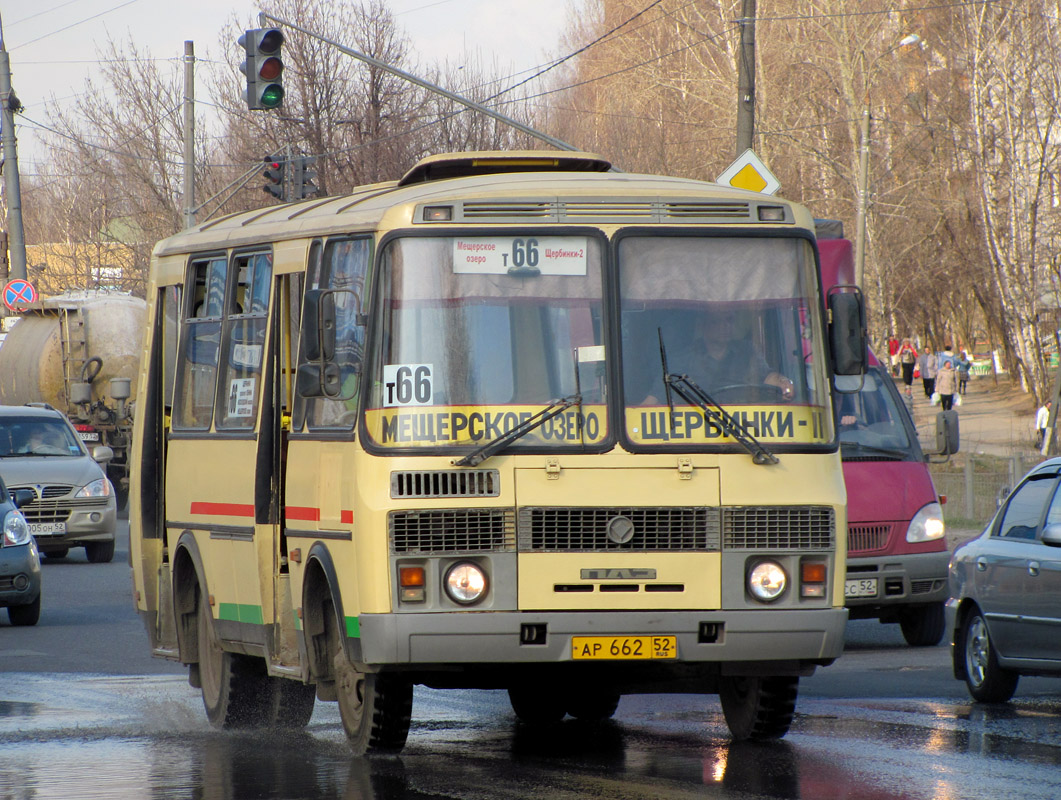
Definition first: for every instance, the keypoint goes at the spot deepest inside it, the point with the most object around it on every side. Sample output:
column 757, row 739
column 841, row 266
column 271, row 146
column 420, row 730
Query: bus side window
column 243, row 343
column 344, row 268
column 200, row 341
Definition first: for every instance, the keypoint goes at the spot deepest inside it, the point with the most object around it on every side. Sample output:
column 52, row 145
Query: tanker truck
column 79, row 353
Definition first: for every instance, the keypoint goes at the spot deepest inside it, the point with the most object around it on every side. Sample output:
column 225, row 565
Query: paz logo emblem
column 620, row 529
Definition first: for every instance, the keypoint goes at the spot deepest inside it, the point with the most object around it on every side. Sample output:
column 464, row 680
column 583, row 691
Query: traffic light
column 275, row 172
column 302, row 177
column 263, row 67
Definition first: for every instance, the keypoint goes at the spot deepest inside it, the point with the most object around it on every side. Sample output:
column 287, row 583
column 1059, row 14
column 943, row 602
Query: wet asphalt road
column 86, row 713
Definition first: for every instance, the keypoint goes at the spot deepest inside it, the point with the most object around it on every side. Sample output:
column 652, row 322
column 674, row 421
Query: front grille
column 778, row 528
column 472, row 530
column 586, row 529
column 446, row 483
column 55, row 506
column 863, row 538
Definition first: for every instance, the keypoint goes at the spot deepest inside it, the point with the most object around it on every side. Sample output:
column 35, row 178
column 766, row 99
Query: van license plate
column 861, row 587
column 617, row 648
column 47, row 528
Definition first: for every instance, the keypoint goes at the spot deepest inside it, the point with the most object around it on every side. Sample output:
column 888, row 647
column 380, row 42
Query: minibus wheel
column 923, row 625
column 537, row 704
column 758, row 708
column 375, row 708
column 234, row 687
column 593, row 704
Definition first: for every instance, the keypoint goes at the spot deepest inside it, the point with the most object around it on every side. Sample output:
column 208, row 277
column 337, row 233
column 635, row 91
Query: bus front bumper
column 813, row 637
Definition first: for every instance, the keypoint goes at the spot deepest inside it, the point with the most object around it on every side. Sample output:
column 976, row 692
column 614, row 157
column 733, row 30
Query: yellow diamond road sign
column 750, row 173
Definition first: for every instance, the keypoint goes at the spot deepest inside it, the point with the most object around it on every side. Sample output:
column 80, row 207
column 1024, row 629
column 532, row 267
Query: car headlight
column 100, row 488
column 16, row 531
column 465, row 583
column 767, row 581
column 927, row 524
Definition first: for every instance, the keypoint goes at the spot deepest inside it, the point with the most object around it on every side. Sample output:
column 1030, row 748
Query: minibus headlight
column 16, row 531
column 767, row 581
column 927, row 524
column 465, row 583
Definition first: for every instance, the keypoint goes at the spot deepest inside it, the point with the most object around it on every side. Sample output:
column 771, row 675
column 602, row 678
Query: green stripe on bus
column 240, row 612
column 353, row 627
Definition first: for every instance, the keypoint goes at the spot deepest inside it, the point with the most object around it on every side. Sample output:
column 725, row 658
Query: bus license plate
column 615, row 648
column 47, row 528
column 862, row 587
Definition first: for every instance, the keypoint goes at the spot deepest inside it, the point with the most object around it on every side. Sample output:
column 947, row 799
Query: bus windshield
column 478, row 334
column 738, row 317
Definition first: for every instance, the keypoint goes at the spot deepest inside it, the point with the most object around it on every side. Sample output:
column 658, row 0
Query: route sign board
column 750, row 173
column 19, row 294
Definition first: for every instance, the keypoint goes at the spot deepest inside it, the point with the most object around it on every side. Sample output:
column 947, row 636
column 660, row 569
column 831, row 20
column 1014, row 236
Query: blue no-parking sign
column 19, row 294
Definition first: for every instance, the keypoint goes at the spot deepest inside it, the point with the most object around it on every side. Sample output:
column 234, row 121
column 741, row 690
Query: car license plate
column 615, row 648
column 88, row 436
column 47, row 528
column 861, row 587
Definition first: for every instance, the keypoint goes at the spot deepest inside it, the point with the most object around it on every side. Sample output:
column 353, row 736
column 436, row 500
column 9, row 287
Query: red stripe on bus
column 223, row 509
column 346, row 517
column 303, row 512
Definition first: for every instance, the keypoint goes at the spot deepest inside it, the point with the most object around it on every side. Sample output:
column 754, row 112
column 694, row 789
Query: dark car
column 20, row 563
column 73, row 501
column 1005, row 586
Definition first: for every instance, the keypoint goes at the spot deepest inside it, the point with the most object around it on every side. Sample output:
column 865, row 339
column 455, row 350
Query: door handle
column 981, row 564
column 1033, row 568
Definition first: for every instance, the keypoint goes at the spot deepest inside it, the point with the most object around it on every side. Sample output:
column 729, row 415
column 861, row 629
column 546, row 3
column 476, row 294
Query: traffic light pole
column 557, row 143
column 189, row 134
column 15, row 236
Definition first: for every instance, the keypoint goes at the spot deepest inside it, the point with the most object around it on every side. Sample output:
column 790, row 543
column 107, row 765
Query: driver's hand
column 786, row 385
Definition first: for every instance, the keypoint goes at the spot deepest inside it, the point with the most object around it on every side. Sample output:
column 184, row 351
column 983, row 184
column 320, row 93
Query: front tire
column 537, row 705
column 27, row 614
column 924, row 625
column 376, row 709
column 985, row 679
column 100, row 552
column 758, row 709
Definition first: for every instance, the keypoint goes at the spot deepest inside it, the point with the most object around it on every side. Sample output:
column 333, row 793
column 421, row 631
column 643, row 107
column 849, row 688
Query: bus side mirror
column 947, row 432
column 318, row 380
column 847, row 330
column 318, row 325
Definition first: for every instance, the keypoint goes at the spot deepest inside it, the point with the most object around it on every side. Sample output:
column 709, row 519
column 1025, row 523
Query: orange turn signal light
column 411, row 576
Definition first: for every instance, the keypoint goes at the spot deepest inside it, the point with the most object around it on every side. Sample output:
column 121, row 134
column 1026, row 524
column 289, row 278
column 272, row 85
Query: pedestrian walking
column 929, row 368
column 964, row 368
column 946, row 385
column 907, row 360
column 1042, row 420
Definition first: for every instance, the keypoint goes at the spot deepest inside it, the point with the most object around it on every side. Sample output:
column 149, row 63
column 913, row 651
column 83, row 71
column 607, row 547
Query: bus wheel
column 593, row 704
column 537, row 705
column 376, row 709
column 758, row 708
column 234, row 687
column 924, row 625
column 291, row 703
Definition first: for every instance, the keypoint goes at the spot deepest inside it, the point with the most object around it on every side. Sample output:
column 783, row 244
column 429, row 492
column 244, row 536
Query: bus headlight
column 767, row 581
column 927, row 524
column 465, row 583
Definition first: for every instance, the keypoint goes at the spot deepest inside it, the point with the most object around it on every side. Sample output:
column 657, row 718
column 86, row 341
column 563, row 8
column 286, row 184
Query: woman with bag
column 946, row 385
column 907, row 360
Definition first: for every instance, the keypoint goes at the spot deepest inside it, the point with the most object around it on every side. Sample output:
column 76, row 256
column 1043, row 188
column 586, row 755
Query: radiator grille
column 472, row 530
column 863, row 538
column 778, row 528
column 54, row 506
column 446, row 483
column 586, row 529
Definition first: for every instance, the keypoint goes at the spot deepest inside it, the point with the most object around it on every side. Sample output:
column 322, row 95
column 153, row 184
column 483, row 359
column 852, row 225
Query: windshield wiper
column 892, row 452
column 689, row 391
column 480, row 455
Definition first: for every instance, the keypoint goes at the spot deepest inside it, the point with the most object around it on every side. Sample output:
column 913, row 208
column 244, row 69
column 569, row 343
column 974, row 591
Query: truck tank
column 32, row 356
column 80, row 354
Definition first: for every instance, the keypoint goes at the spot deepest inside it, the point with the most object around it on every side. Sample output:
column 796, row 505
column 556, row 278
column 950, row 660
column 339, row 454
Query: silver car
column 74, row 502
column 1005, row 586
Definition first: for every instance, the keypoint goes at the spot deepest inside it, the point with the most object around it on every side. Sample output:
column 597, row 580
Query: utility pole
column 863, row 200
column 8, row 105
column 746, row 78
column 189, row 134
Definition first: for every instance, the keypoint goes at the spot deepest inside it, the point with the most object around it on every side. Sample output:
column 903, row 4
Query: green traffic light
column 272, row 96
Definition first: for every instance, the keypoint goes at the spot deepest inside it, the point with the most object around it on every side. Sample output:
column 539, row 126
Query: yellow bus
column 514, row 421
